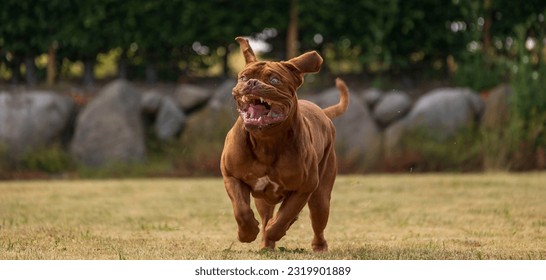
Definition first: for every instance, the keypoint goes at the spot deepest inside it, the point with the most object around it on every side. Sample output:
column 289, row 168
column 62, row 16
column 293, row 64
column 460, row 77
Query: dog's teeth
column 262, row 99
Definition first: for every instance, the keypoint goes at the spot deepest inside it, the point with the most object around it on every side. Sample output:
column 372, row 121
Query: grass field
column 486, row 216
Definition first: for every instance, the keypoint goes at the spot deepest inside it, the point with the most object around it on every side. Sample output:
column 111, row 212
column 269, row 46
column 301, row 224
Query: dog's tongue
column 257, row 111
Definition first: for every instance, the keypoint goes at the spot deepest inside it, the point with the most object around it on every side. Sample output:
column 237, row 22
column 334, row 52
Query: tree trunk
column 30, row 68
column 15, row 70
column 151, row 73
column 225, row 63
column 122, row 66
column 88, row 78
column 488, row 20
column 51, row 65
column 292, row 33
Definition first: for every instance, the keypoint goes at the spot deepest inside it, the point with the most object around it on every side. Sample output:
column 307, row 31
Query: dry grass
column 488, row 216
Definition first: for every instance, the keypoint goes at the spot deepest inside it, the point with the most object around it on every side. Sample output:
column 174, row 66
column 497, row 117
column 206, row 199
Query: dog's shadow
column 277, row 253
column 284, row 253
column 432, row 251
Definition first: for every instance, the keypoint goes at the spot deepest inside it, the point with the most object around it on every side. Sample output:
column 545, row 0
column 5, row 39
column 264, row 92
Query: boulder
column 222, row 99
column 394, row 105
column 190, row 97
column 371, row 96
column 437, row 116
column 495, row 120
column 497, row 108
column 169, row 119
column 442, row 112
column 393, row 146
column 358, row 138
column 206, row 129
column 151, row 100
column 109, row 129
column 31, row 120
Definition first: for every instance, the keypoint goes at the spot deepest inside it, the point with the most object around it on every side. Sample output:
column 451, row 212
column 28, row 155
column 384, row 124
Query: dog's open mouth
column 259, row 112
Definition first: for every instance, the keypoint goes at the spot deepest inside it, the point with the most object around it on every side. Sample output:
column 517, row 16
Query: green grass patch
column 448, row 216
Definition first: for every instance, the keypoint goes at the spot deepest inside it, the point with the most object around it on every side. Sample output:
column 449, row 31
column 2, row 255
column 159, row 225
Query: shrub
column 479, row 73
column 4, row 160
column 528, row 105
column 422, row 152
column 51, row 159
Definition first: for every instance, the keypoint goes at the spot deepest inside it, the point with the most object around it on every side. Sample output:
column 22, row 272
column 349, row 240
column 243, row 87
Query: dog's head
column 266, row 91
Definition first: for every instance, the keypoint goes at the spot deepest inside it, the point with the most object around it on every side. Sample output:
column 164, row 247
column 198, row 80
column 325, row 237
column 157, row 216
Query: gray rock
column 151, row 101
column 168, row 117
column 169, row 120
column 189, row 97
column 437, row 115
column 494, row 123
column 31, row 120
column 206, row 129
column 358, row 137
column 109, row 129
column 497, row 108
column 222, row 97
column 392, row 140
column 204, row 136
column 371, row 96
column 394, row 105
column 444, row 111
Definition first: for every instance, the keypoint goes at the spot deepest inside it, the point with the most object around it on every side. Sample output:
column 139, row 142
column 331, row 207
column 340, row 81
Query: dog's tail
column 340, row 108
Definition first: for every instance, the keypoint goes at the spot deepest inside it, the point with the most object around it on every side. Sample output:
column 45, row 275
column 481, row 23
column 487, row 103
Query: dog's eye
column 243, row 78
column 274, row 81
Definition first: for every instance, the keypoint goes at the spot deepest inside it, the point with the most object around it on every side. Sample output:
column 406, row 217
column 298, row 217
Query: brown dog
column 281, row 149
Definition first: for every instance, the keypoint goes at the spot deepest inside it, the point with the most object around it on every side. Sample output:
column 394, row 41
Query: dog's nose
column 252, row 83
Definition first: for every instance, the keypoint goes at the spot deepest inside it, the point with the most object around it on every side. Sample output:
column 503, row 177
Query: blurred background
column 106, row 88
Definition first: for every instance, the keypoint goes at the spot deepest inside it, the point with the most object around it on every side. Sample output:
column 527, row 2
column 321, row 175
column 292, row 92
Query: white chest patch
column 263, row 182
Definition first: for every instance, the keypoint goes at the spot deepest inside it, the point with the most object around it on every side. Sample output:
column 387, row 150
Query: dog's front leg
column 266, row 212
column 239, row 193
column 287, row 214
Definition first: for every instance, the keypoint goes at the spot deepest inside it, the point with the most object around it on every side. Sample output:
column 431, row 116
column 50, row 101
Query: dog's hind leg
column 319, row 207
column 266, row 213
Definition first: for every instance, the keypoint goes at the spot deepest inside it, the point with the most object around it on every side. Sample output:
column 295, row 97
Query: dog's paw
column 268, row 245
column 248, row 234
column 267, row 248
column 320, row 246
column 247, row 227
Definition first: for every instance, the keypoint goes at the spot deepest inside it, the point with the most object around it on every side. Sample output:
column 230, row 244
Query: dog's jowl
column 280, row 150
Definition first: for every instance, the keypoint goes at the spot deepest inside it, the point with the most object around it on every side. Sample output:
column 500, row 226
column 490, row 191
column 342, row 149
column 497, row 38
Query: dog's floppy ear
column 246, row 49
column 308, row 62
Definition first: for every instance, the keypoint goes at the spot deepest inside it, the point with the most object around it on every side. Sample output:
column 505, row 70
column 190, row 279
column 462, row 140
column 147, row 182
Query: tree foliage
column 391, row 36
